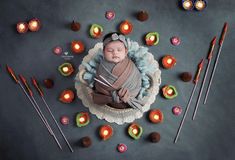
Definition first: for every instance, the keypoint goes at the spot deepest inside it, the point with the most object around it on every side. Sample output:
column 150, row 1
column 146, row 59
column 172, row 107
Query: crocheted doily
column 119, row 116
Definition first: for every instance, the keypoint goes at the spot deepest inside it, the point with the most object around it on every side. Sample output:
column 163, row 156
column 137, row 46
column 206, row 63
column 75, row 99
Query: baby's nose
column 115, row 52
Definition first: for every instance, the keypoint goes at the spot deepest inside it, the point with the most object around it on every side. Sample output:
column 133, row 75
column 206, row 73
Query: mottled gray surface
column 23, row 137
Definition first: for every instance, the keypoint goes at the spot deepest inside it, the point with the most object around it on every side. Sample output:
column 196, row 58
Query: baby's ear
column 126, row 50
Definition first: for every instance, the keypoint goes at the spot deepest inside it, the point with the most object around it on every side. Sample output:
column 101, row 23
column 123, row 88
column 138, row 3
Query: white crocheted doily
column 119, row 116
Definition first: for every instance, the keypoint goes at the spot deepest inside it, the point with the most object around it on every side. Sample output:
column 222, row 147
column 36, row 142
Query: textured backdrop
column 22, row 135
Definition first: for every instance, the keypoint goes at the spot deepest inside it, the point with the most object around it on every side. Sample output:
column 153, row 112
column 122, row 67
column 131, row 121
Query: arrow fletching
column 36, row 85
column 200, row 65
column 24, row 81
column 223, row 33
column 12, row 74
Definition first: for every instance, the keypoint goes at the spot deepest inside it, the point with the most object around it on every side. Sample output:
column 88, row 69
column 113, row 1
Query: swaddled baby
column 117, row 80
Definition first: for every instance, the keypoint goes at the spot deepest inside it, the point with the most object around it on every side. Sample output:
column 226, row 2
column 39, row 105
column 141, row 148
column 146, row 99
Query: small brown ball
column 49, row 83
column 186, row 76
column 154, row 137
column 75, row 26
column 142, row 16
column 86, row 141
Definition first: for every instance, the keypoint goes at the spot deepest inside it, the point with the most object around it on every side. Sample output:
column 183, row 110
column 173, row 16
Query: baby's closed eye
column 110, row 50
column 119, row 49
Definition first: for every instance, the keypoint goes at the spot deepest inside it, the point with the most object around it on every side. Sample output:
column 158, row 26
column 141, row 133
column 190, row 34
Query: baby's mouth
column 115, row 57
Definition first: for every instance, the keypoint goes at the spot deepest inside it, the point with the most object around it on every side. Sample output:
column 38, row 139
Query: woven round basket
column 113, row 115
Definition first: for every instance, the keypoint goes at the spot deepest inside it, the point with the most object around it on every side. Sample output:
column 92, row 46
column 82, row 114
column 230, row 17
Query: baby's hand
column 124, row 94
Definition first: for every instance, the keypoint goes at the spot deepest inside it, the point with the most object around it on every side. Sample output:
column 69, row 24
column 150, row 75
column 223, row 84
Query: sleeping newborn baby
column 117, row 80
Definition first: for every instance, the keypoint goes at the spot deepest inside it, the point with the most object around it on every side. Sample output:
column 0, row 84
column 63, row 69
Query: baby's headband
column 115, row 37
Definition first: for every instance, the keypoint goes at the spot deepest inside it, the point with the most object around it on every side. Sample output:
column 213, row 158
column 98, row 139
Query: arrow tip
column 7, row 67
column 213, row 41
column 225, row 27
column 200, row 65
column 34, row 81
column 22, row 78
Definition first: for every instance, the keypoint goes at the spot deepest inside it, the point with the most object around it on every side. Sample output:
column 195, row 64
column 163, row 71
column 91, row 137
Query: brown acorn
column 75, row 26
column 154, row 137
column 49, row 83
column 142, row 16
column 86, row 141
column 186, row 76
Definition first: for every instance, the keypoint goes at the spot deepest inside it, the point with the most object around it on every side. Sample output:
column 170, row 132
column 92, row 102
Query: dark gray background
column 23, row 137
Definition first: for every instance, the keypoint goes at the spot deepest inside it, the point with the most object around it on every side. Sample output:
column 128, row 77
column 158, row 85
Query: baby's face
column 115, row 51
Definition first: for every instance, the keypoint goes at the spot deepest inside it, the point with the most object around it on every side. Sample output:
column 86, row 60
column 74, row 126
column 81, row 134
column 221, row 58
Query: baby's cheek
column 107, row 55
column 123, row 55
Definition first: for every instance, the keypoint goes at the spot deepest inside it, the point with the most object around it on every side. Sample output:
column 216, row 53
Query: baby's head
column 115, row 47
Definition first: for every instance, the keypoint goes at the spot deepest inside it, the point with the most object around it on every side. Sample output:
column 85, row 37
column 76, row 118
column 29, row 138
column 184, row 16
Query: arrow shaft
column 221, row 41
column 201, row 89
column 53, row 134
column 35, row 107
column 185, row 113
column 39, row 114
column 36, row 85
column 49, row 110
column 212, row 75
